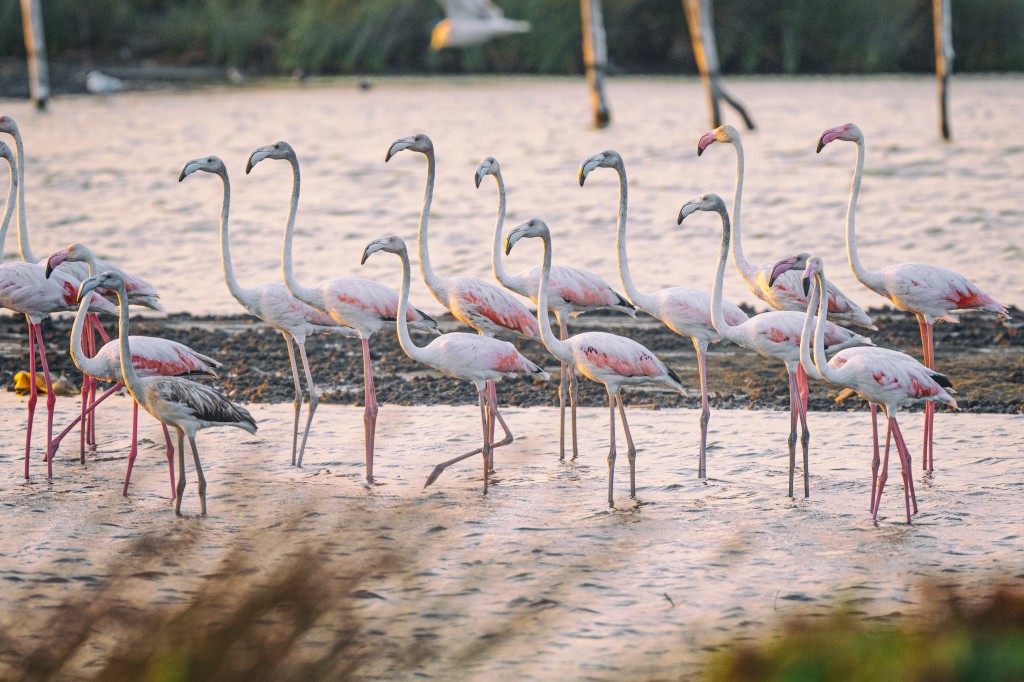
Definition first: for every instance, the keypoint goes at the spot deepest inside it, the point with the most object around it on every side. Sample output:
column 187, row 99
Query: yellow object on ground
column 22, row 383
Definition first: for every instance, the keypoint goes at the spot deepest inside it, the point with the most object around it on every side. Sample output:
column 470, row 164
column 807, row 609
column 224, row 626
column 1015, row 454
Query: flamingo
column 575, row 292
column 140, row 292
column 275, row 305
column 25, row 289
column 608, row 359
column 151, row 356
column 774, row 334
column 174, row 401
column 881, row 376
column 472, row 22
column 362, row 304
column 930, row 292
column 475, row 303
column 685, row 311
column 477, row 358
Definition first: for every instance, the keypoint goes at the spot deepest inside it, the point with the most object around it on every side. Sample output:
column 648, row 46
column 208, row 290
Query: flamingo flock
column 805, row 322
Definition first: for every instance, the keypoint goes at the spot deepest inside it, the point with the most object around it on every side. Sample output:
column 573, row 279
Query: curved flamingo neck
column 620, row 242
column 404, row 339
column 234, row 287
column 23, row 245
column 820, row 360
column 807, row 334
column 863, row 275
column 560, row 349
column 309, row 296
column 434, row 283
column 90, row 366
column 516, row 284
column 717, row 313
column 131, row 378
column 9, row 211
column 746, row 268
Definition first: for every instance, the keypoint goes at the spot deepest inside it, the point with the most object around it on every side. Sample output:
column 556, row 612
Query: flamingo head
column 75, row 253
column 418, row 143
column 815, row 266
column 105, row 280
column 706, row 202
column 7, row 125
column 725, row 134
column 534, row 227
column 210, row 164
column 390, row 243
column 848, row 132
column 278, row 150
column 797, row 262
column 609, row 158
column 488, row 166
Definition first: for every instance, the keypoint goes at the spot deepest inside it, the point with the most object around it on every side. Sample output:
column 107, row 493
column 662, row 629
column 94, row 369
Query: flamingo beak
column 188, row 170
column 53, row 261
column 512, row 238
column 589, row 165
column 397, row 146
column 784, row 265
column 86, row 288
column 806, row 279
column 254, row 158
column 688, row 208
column 705, row 141
column 828, row 136
column 481, row 171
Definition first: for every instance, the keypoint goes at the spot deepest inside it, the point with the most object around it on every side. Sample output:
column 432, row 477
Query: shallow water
column 642, row 591
column 958, row 205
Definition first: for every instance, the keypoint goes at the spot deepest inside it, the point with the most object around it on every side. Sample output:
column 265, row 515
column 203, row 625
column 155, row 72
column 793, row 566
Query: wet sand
column 537, row 579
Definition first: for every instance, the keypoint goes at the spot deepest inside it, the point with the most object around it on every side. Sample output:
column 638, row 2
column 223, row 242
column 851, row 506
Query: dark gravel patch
column 983, row 357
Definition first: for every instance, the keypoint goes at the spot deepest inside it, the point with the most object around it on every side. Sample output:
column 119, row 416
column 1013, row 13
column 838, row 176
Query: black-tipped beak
column 182, row 175
column 248, row 166
column 508, row 244
column 784, row 265
column 49, row 269
column 807, row 284
column 478, row 178
column 821, row 144
column 366, row 254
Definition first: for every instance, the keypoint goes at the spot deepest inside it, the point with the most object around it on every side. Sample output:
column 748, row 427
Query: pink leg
column 882, row 477
column 630, row 448
column 801, row 383
column 611, row 449
column 805, row 436
column 705, row 411
column 51, row 400
column 96, row 327
column 55, row 445
column 908, row 477
column 370, row 413
column 133, row 453
column 794, row 397
column 32, row 392
column 485, row 419
column 566, row 392
column 492, row 395
column 875, row 455
column 170, row 457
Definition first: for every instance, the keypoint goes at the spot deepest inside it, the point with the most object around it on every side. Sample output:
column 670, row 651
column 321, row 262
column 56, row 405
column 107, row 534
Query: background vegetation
column 648, row 36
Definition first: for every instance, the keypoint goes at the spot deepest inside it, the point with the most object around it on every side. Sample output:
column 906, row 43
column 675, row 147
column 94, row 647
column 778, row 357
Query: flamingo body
column 776, row 335
column 151, row 356
column 488, row 309
column 365, row 305
column 687, row 312
column 932, row 291
column 24, row 288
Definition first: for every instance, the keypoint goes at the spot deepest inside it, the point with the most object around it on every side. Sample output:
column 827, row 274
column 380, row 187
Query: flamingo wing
column 180, row 400
column 935, row 291
column 489, row 309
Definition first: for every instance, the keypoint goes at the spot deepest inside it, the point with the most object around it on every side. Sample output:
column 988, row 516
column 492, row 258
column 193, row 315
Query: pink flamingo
column 475, row 303
column 174, row 401
column 685, row 311
column 25, row 289
column 881, row 376
column 477, row 358
column 151, row 356
column 774, row 334
column 930, row 292
column 362, row 304
column 141, row 292
column 574, row 291
column 275, row 305
column 614, row 361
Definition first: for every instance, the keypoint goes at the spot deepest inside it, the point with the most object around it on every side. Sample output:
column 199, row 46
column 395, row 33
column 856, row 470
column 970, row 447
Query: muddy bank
column 983, row 356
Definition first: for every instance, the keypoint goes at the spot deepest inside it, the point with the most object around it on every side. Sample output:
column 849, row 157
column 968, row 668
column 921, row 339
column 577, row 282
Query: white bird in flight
column 472, row 22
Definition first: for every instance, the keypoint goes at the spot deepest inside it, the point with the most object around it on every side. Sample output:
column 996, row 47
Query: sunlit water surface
column 580, row 590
